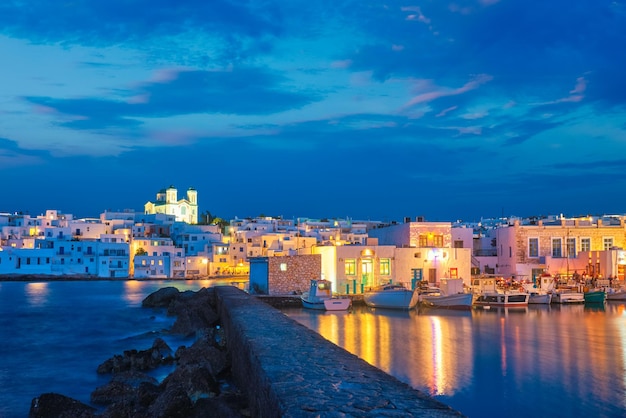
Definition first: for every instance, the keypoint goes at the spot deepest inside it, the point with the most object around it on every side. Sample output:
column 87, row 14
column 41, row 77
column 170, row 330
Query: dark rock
column 228, row 405
column 193, row 312
column 172, row 403
column 50, row 405
column 196, row 380
column 161, row 298
column 203, row 352
column 159, row 354
column 122, row 386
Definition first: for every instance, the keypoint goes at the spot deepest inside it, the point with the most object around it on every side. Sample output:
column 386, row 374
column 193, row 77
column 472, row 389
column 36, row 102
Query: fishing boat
column 540, row 291
column 449, row 295
column 616, row 295
column 595, row 296
column 488, row 294
column 320, row 297
column 505, row 299
column 565, row 296
column 391, row 296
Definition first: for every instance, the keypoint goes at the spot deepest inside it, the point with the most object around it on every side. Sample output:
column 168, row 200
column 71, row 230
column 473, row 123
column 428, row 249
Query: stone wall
column 289, row 274
column 287, row 370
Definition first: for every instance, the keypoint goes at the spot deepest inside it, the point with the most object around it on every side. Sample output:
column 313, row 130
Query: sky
column 371, row 110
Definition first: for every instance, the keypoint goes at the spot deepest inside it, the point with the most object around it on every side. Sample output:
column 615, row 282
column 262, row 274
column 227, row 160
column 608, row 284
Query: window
column 585, row 244
column 458, row 244
column 438, row 241
column 533, row 247
column 350, row 267
column 283, row 266
column 423, row 239
column 608, row 243
column 557, row 251
column 385, row 267
column 571, row 248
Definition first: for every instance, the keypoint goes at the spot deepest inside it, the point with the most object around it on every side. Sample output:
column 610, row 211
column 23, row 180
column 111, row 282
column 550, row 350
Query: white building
column 167, row 202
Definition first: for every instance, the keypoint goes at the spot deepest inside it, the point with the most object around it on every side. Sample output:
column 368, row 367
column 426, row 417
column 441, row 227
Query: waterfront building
column 560, row 246
column 428, row 250
column 167, row 202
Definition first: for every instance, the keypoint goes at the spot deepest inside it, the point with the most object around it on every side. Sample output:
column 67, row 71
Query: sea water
column 538, row 361
column 556, row 361
column 53, row 335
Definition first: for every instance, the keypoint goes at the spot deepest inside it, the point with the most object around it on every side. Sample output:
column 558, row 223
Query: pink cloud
column 341, row 64
column 427, row 91
column 445, row 111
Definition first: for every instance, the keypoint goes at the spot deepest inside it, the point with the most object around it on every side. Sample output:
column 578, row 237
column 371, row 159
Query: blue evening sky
column 366, row 109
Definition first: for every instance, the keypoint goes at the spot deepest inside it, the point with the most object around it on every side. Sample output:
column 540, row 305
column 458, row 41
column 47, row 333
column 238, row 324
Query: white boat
column 567, row 296
column 449, row 295
column 320, row 297
column 391, row 296
column 540, row 293
column 504, row 299
column 616, row 295
column 488, row 294
column 539, row 298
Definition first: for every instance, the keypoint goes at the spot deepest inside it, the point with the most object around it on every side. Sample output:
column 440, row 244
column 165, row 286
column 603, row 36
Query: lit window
column 533, row 247
column 585, row 244
column 385, row 267
column 350, row 267
column 556, row 248
column 283, row 266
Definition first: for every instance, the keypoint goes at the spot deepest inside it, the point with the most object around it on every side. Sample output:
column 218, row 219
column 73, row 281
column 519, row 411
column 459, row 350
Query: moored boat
column 320, row 297
column 565, row 296
column 391, row 296
column 595, row 296
column 616, row 295
column 505, row 299
column 538, row 298
column 449, row 295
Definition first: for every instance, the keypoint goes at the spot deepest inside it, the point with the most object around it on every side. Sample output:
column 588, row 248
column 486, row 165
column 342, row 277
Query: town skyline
column 447, row 110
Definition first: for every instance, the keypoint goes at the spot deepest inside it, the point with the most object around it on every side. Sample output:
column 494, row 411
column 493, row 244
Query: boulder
column 132, row 360
column 59, row 406
column 161, row 298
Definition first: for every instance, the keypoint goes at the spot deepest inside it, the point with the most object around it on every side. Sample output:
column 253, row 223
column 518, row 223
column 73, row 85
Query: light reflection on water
column 543, row 360
column 37, row 293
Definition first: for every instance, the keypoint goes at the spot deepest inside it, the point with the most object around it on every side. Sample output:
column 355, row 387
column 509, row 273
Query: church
column 167, row 202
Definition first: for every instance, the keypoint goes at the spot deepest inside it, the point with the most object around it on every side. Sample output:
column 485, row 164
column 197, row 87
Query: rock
column 203, row 352
column 132, row 360
column 55, row 405
column 172, row 403
column 161, row 298
column 122, row 386
column 193, row 312
column 195, row 379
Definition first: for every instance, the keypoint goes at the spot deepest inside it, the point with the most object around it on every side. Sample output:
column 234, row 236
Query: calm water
column 54, row 335
column 545, row 361
column 540, row 361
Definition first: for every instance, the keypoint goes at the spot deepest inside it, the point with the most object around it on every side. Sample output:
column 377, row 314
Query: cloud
column 240, row 91
column 426, row 91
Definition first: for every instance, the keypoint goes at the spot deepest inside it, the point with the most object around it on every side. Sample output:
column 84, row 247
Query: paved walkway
column 288, row 370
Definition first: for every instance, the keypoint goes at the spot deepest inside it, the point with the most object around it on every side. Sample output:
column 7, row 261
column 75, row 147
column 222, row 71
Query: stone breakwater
column 249, row 359
column 199, row 386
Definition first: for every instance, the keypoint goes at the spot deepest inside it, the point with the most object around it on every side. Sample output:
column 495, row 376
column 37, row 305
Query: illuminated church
column 167, row 202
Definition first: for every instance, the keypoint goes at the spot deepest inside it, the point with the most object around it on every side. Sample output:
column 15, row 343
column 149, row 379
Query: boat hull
column 568, row 297
column 391, row 299
column 506, row 300
column 457, row 301
column 337, row 304
column 316, row 304
column 540, row 298
column 595, row 296
column 616, row 296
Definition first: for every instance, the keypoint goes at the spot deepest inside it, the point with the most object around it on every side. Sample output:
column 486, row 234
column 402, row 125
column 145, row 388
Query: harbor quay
column 288, row 370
